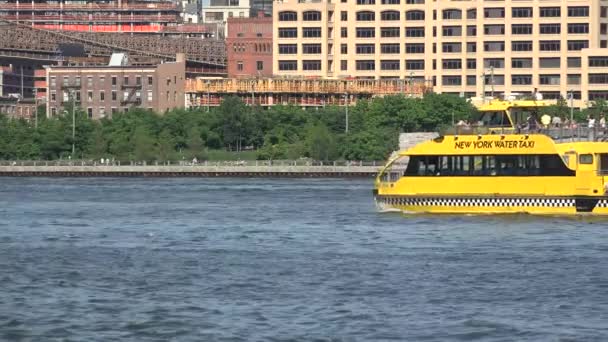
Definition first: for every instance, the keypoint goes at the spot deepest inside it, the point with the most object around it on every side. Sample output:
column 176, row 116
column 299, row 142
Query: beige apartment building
column 462, row 47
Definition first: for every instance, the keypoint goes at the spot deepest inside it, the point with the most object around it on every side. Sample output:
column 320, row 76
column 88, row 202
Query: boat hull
column 494, row 205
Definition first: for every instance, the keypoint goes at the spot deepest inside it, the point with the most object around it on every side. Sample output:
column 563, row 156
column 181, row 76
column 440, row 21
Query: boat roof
column 496, row 105
column 497, row 144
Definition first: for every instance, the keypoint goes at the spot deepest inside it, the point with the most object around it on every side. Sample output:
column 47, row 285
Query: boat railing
column 559, row 133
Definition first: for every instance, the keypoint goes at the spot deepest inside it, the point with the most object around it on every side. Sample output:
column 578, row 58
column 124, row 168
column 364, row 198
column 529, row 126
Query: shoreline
column 284, row 171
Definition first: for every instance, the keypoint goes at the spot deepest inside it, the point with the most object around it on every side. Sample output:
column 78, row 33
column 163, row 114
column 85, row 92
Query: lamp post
column 571, row 106
column 253, row 94
column 411, row 83
column 73, row 123
column 208, row 97
column 346, row 113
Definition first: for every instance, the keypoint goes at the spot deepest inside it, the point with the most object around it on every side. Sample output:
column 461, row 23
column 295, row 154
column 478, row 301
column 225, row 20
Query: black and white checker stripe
column 481, row 201
column 603, row 203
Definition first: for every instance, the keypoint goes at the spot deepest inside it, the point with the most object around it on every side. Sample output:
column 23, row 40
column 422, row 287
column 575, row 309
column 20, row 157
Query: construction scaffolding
column 202, row 92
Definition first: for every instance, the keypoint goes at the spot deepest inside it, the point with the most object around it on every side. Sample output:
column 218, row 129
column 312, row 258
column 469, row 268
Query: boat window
column 489, row 165
column 520, row 115
column 491, row 119
column 585, row 159
column 604, row 163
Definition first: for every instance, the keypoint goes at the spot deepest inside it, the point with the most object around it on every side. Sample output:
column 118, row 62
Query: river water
column 90, row 259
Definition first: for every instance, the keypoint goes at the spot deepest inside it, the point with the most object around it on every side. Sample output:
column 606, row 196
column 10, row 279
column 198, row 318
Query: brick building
column 17, row 108
column 249, row 47
column 105, row 90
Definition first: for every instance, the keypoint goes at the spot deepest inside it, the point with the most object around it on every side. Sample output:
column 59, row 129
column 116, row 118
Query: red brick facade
column 249, row 47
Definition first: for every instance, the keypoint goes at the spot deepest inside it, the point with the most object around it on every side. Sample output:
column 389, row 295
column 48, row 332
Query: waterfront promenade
column 189, row 169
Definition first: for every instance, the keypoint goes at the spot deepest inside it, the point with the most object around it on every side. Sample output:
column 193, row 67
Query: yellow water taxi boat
column 534, row 172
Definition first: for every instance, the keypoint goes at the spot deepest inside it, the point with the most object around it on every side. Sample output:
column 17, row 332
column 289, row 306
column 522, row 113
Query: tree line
column 278, row 132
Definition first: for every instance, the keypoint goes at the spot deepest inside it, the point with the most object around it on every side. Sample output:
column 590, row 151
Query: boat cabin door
column 587, row 182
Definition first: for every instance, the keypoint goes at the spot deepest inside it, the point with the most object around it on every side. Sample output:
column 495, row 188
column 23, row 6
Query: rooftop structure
column 249, row 47
column 470, row 48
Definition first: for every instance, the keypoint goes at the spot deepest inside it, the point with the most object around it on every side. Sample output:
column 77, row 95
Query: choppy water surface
column 278, row 260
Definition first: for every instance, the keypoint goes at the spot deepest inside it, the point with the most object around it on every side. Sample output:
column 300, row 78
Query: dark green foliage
column 279, row 132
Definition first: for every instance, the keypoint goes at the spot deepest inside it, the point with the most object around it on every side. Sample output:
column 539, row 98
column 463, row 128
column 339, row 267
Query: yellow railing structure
column 307, row 86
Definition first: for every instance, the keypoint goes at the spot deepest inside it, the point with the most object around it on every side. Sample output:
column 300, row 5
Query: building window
column 521, row 63
column 288, row 33
column 414, row 15
column 603, row 44
column 414, row 2
column 521, row 45
column 578, row 28
column 496, row 63
column 389, row 65
column 521, row 12
column 311, row 16
column 365, row 49
column 288, row 16
column 549, row 62
column 102, row 96
column 573, row 79
column 150, row 96
column 471, row 47
column 576, row 45
column 521, row 79
column 53, row 96
column 90, row 112
column 578, row 11
column 288, row 65
column 239, row 66
column 311, row 32
column 391, row 2
column 494, row 29
column 366, row 32
column 114, row 95
column 66, row 81
column 343, row 65
column 494, row 46
column 53, row 81
column 89, row 81
column 414, row 31
column 311, row 49
column 53, row 111
column 311, row 65
column 343, row 32
column 414, row 64
column 451, row 80
column 365, row 65
column 497, row 12
column 78, row 81
column 472, row 13
column 496, row 80
column 471, row 80
column 451, row 47
column 598, row 61
column 549, row 45
column 389, row 15
column 451, row 64
column 89, row 96
column 414, row 48
column 343, row 16
column 549, row 79
column 389, row 48
column 550, row 28
column 125, row 80
column 150, row 80
column 366, row 2
column 390, row 32
column 288, row 49
column 521, row 29
column 344, row 49
column 138, row 80
column 102, row 112
column 452, row 14
column 451, row 31
column 574, row 62
column 550, row 12
column 471, row 31
column 366, row 16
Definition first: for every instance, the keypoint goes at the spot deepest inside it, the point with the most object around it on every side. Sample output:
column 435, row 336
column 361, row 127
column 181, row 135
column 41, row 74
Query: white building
column 218, row 11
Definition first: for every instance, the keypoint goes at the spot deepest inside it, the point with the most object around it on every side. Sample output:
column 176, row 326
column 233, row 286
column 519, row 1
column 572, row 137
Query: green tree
column 143, row 145
column 165, row 147
column 196, row 146
column 320, row 143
